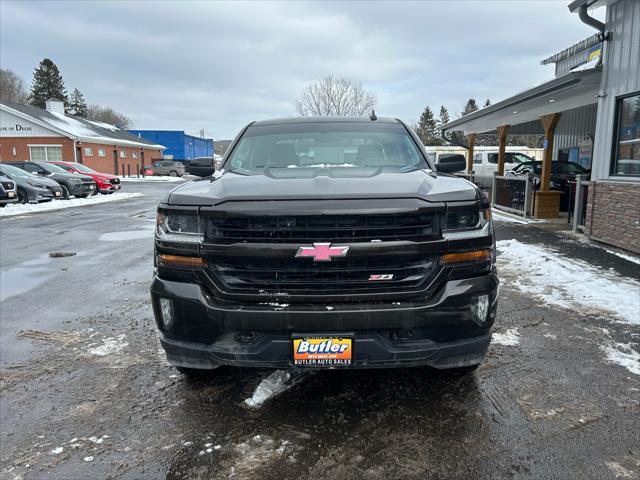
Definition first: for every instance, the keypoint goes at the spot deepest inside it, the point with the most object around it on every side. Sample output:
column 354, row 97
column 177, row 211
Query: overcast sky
column 218, row 65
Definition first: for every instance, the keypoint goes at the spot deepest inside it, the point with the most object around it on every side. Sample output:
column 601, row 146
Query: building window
column 88, row 151
column 626, row 155
column 45, row 153
column 134, row 154
column 123, row 154
column 102, row 152
column 13, row 151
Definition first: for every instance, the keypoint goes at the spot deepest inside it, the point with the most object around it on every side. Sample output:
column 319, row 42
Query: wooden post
column 471, row 140
column 502, row 139
column 549, row 123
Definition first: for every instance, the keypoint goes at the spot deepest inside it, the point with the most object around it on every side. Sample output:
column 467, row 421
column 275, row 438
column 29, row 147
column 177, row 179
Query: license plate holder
column 322, row 350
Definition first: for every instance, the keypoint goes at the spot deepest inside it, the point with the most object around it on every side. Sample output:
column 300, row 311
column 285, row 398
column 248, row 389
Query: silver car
column 165, row 167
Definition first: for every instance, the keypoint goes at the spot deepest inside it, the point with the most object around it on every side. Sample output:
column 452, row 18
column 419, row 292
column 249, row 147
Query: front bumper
column 82, row 188
column 109, row 187
column 440, row 331
column 9, row 197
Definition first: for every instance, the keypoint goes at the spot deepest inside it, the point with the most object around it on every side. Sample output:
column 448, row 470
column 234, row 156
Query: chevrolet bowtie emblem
column 322, row 252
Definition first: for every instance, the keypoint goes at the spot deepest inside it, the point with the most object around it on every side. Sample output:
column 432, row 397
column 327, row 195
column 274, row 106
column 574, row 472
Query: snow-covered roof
column 78, row 128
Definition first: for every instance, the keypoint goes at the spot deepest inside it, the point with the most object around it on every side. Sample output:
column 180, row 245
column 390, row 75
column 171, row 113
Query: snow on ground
column 622, row 354
column 567, row 282
column 108, row 346
column 159, row 178
column 270, row 386
column 14, row 209
column 629, row 258
column 501, row 217
column 510, row 338
column 274, row 384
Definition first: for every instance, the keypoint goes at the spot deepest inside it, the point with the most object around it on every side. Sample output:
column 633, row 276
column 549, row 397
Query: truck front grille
column 302, row 276
column 305, row 228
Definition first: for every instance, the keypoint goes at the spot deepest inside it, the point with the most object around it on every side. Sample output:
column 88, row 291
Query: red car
column 105, row 182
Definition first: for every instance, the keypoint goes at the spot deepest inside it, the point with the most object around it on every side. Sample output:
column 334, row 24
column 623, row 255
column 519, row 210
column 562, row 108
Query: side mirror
column 451, row 162
column 202, row 167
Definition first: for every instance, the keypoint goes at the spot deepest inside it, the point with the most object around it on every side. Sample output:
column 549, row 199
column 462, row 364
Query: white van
column 485, row 163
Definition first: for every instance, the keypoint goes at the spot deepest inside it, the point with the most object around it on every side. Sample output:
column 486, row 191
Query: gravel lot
column 86, row 391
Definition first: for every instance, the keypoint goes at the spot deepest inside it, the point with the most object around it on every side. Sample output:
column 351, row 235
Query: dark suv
column 71, row 183
column 325, row 243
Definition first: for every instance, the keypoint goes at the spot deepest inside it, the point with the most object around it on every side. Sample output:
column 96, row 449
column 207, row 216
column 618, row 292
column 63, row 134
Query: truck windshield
column 325, row 145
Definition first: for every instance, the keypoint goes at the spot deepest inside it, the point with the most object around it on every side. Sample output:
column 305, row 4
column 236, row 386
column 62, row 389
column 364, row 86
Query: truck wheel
column 173, row 173
column 65, row 192
column 194, row 372
column 22, row 196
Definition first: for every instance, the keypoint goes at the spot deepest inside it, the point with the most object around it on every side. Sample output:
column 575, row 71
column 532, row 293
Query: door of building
column 115, row 161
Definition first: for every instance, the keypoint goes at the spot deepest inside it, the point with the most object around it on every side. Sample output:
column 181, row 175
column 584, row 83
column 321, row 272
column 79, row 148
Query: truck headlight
column 467, row 223
column 179, row 227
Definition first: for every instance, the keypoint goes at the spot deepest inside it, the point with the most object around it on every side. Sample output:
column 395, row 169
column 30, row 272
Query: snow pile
column 509, row 338
column 269, row 387
column 568, row 283
column 622, row 354
column 14, row 209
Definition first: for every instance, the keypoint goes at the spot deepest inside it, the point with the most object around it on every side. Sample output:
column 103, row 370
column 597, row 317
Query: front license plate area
column 317, row 351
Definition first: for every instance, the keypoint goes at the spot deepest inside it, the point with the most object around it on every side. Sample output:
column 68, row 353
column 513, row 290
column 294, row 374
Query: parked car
column 8, row 191
column 105, row 182
column 486, row 163
column 562, row 175
column 31, row 188
column 75, row 184
column 385, row 260
column 164, row 167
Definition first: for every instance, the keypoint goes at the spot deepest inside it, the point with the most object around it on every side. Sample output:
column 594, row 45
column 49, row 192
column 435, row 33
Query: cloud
column 218, row 65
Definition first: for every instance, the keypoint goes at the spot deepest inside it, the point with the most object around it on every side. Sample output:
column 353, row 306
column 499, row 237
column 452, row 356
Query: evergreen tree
column 47, row 83
column 428, row 128
column 471, row 106
column 444, row 115
column 77, row 104
column 487, row 103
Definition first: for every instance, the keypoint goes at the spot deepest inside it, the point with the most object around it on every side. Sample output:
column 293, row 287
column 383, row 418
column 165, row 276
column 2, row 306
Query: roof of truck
column 280, row 121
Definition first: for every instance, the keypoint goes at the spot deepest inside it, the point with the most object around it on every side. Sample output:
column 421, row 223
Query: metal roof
column 77, row 127
column 574, row 90
column 573, row 49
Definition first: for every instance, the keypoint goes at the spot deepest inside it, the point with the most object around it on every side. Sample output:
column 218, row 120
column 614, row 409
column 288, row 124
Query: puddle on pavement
column 146, row 232
column 24, row 277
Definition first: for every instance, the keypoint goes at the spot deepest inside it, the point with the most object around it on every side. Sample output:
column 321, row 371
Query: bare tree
column 108, row 115
column 335, row 96
column 12, row 88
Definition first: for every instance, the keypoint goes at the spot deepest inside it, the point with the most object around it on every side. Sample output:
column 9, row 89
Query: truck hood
column 336, row 183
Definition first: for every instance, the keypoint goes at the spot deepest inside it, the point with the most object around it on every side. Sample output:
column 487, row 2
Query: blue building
column 180, row 146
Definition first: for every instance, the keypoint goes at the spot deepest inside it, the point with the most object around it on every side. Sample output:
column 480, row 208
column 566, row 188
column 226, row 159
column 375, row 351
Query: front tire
column 22, row 196
column 65, row 192
column 173, row 173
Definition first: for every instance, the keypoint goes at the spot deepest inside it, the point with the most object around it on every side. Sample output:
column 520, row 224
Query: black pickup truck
column 325, row 242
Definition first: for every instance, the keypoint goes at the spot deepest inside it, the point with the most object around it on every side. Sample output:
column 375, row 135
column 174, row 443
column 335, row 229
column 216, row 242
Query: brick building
column 31, row 133
column 590, row 114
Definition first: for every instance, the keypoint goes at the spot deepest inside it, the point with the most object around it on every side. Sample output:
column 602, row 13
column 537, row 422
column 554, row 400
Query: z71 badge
column 378, row 277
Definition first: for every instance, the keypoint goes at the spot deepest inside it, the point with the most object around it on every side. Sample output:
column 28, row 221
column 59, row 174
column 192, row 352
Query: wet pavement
column 86, row 391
